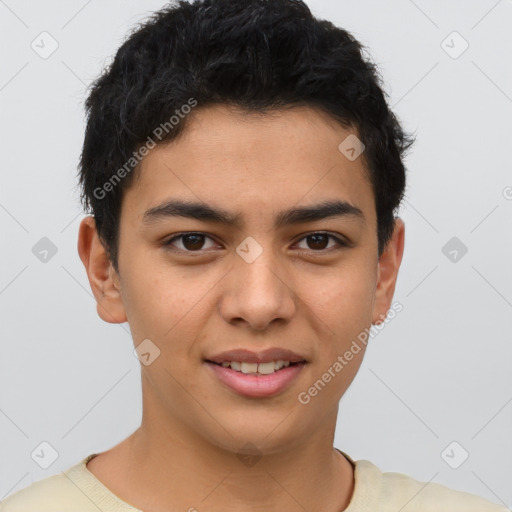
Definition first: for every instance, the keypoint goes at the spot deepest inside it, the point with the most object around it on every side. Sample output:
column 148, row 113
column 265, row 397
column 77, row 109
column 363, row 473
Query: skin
column 312, row 299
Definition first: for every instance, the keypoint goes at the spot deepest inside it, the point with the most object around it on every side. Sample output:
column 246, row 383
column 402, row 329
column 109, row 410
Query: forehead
column 256, row 163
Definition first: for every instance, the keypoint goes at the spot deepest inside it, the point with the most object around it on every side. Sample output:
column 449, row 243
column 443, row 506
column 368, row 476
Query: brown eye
column 193, row 242
column 320, row 241
column 190, row 242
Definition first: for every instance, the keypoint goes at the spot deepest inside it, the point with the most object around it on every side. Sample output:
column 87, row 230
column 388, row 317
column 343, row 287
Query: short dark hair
column 258, row 55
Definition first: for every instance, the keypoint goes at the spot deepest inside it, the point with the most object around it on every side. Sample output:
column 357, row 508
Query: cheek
column 343, row 302
column 164, row 306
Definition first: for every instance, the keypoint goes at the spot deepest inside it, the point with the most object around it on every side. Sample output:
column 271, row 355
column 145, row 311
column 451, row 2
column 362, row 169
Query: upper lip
column 265, row 356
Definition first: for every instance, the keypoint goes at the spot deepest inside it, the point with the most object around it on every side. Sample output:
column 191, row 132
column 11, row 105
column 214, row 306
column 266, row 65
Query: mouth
column 258, row 369
column 256, row 380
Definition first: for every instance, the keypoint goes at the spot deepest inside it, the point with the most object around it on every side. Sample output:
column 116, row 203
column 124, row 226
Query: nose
column 258, row 293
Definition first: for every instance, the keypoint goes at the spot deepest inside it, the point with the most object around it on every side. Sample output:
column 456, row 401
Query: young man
column 243, row 171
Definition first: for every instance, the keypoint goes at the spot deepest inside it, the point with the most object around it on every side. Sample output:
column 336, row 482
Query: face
column 193, row 285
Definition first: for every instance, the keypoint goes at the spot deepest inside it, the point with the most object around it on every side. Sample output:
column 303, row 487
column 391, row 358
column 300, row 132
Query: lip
column 265, row 356
column 257, row 386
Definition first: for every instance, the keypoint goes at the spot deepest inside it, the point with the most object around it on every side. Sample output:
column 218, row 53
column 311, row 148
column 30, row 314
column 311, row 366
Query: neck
column 176, row 466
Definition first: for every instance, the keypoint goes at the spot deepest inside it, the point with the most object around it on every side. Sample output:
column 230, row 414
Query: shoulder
column 48, row 495
column 397, row 491
column 63, row 491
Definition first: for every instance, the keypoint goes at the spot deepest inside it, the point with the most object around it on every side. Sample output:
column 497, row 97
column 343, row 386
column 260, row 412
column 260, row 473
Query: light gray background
column 439, row 372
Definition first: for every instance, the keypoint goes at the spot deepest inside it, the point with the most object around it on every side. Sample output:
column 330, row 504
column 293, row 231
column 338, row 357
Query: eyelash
column 339, row 241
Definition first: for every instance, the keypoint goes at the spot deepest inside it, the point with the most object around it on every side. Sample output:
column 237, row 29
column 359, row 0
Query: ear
column 389, row 263
column 103, row 279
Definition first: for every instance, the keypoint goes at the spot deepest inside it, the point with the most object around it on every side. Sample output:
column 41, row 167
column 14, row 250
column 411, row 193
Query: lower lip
column 257, row 385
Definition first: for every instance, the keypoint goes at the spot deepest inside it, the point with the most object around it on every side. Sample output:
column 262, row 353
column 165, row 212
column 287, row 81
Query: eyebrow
column 205, row 212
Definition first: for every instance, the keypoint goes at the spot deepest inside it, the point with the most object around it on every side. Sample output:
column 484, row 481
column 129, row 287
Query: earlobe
column 388, row 266
column 102, row 276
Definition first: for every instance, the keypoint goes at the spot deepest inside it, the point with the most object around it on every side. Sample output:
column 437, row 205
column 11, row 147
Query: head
column 264, row 134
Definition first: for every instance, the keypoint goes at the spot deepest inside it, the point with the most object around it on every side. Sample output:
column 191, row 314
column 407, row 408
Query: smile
column 256, row 380
column 256, row 368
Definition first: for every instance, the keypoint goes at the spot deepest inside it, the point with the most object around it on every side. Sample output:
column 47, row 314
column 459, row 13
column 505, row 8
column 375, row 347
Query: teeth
column 249, row 367
column 266, row 368
column 261, row 368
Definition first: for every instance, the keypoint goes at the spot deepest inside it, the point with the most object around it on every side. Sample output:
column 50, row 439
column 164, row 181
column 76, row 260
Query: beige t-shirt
column 78, row 490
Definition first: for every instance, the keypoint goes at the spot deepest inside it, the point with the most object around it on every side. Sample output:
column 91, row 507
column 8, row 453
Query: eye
column 195, row 242
column 190, row 242
column 317, row 241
